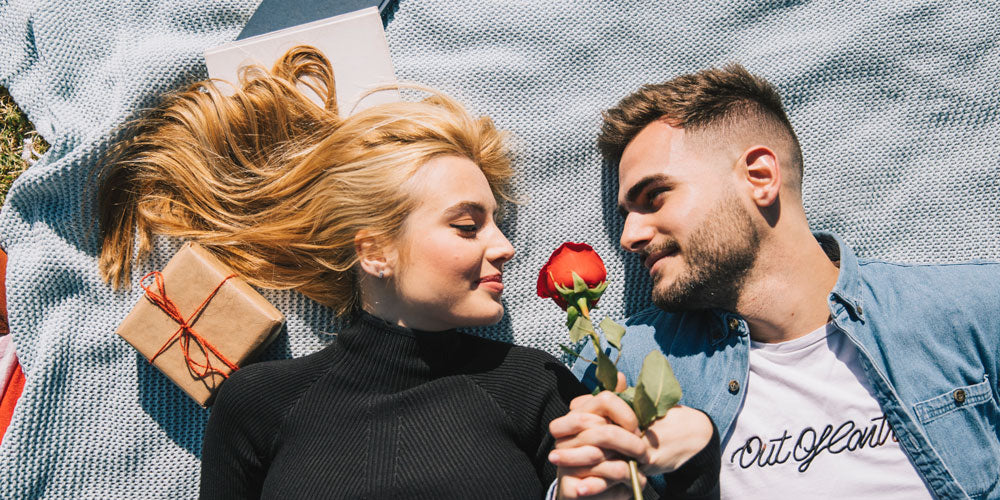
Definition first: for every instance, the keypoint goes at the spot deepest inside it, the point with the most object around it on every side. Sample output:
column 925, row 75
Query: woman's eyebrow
column 464, row 208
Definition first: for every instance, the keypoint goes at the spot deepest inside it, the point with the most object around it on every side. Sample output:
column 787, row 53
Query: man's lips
column 650, row 259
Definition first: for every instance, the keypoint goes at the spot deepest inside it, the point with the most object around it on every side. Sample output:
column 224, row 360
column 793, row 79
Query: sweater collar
column 388, row 349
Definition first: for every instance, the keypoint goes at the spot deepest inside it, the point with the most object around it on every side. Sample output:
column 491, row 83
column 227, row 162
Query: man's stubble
column 718, row 256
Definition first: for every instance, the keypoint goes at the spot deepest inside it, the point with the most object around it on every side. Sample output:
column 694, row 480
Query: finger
column 574, row 423
column 568, row 486
column 622, row 383
column 604, row 478
column 616, row 492
column 582, row 456
column 610, row 438
column 579, row 401
column 608, row 405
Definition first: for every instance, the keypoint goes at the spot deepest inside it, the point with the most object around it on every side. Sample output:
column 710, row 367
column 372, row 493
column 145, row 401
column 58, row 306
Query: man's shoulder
column 669, row 332
column 933, row 280
column 943, row 269
column 660, row 322
column 903, row 300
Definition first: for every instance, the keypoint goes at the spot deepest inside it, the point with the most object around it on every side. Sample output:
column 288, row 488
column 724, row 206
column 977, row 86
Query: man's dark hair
column 729, row 99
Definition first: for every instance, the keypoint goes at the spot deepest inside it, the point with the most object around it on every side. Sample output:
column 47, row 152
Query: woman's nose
column 500, row 250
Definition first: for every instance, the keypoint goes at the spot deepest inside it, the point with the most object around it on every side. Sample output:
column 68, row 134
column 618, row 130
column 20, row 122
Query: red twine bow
column 185, row 333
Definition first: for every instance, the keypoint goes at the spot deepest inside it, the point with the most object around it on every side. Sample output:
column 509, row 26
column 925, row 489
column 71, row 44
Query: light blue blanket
column 895, row 103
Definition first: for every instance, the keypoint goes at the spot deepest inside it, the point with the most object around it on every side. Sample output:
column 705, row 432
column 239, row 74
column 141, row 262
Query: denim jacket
column 928, row 338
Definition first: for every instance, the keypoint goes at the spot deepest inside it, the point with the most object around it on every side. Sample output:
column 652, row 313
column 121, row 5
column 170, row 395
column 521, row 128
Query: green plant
column 14, row 126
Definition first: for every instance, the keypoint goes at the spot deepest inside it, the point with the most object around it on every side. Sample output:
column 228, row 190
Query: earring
column 381, row 274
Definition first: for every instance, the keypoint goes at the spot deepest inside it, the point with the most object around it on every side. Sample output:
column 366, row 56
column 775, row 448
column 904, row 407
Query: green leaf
column 628, row 395
column 659, row 388
column 613, row 332
column 607, row 374
column 644, row 407
column 596, row 292
column 569, row 351
column 571, row 314
column 578, row 284
column 581, row 327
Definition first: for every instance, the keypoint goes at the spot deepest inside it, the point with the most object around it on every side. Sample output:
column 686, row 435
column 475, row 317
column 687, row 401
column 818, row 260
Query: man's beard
column 718, row 255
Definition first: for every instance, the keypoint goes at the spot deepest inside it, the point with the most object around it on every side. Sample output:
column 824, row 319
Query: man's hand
column 674, row 439
column 595, row 440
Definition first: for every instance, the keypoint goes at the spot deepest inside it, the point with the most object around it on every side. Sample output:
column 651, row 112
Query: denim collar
column 847, row 290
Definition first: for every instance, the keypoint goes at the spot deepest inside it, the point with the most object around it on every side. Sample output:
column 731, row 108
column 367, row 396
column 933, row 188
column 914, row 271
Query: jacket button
column 734, row 386
column 734, row 323
column 959, row 395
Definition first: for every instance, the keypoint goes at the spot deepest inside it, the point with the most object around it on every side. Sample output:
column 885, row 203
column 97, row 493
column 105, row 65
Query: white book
column 353, row 42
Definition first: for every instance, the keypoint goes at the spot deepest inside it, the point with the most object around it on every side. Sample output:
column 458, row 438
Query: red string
column 185, row 333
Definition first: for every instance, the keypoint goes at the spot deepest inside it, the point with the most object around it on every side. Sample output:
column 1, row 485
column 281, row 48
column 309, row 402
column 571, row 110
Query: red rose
column 567, row 259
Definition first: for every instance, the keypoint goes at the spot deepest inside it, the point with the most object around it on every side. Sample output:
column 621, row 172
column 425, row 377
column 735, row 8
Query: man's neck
column 785, row 295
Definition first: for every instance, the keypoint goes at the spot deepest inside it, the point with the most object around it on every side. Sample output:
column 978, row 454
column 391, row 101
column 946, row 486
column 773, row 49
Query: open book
column 353, row 42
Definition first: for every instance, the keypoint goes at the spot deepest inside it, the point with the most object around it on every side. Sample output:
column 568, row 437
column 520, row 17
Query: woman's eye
column 465, row 228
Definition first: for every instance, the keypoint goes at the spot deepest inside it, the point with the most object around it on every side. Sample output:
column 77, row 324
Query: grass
column 14, row 126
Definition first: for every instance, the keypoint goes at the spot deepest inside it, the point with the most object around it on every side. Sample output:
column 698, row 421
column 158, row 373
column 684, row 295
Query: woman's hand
column 595, row 440
column 592, row 451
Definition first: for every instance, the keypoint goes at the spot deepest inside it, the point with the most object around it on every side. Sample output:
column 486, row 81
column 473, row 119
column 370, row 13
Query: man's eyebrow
column 465, row 207
column 638, row 187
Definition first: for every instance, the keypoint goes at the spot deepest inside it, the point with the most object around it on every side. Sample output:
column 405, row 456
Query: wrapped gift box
column 227, row 321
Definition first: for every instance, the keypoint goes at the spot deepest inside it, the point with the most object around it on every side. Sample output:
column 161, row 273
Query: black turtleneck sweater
column 388, row 412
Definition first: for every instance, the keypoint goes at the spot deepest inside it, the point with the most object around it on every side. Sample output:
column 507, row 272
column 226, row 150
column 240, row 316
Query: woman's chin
column 488, row 316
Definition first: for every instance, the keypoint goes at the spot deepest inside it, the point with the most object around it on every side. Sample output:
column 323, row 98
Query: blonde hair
column 276, row 186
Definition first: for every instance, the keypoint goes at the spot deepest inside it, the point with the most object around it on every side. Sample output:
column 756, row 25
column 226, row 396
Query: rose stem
column 633, row 472
column 585, row 311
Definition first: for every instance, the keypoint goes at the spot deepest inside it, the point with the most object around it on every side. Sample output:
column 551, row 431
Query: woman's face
column 451, row 253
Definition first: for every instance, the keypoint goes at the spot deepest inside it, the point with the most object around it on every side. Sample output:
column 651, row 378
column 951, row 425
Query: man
column 827, row 375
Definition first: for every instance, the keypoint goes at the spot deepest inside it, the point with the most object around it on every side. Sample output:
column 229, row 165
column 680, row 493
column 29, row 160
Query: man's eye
column 653, row 195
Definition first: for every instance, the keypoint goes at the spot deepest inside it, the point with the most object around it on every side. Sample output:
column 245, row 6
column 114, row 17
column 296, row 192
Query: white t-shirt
column 810, row 428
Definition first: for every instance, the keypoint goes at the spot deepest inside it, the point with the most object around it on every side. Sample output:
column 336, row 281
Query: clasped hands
column 600, row 434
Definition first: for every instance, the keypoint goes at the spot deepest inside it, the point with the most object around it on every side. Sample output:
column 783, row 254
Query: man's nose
column 637, row 233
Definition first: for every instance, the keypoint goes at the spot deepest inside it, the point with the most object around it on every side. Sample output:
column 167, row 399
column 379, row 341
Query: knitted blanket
column 895, row 104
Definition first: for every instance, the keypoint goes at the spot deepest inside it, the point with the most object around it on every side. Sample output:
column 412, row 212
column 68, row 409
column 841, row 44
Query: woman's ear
column 763, row 173
column 376, row 257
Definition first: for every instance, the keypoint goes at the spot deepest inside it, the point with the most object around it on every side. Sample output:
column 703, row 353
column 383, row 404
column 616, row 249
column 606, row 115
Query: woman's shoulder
column 508, row 354
column 267, row 389
column 499, row 363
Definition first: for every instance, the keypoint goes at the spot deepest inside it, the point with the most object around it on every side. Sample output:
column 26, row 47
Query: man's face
column 686, row 218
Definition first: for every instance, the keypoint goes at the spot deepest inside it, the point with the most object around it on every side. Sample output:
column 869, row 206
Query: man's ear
column 375, row 256
column 763, row 174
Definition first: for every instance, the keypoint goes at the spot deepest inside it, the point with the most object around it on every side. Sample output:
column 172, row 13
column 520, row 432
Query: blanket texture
column 895, row 104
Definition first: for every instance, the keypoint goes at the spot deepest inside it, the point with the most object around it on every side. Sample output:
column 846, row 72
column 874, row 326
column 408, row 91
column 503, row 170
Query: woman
column 387, row 216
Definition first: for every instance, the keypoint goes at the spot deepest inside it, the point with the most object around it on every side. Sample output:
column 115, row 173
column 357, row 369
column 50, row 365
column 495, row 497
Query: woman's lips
column 493, row 283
